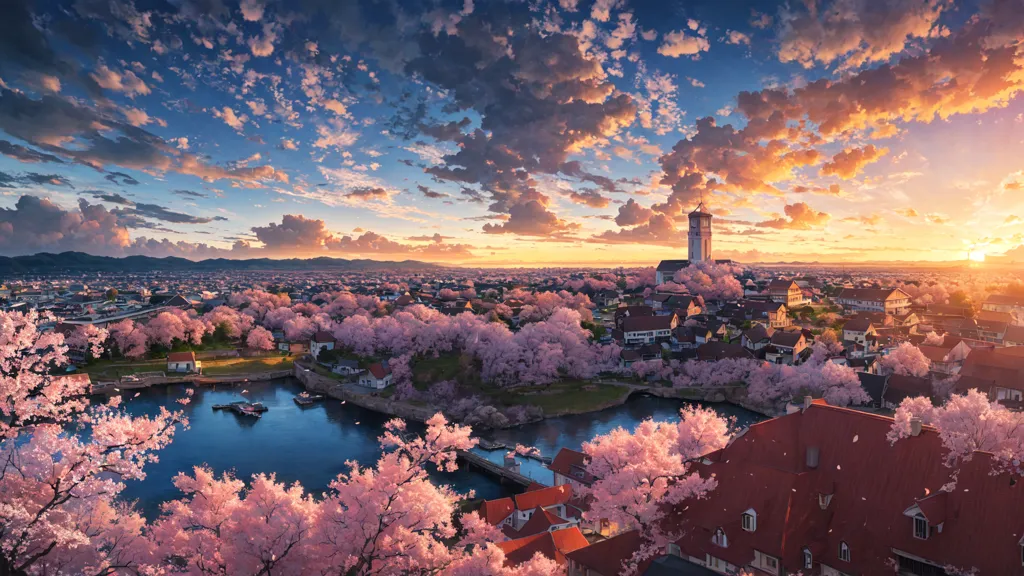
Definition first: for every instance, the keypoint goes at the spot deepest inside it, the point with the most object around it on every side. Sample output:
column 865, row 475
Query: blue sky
column 511, row 133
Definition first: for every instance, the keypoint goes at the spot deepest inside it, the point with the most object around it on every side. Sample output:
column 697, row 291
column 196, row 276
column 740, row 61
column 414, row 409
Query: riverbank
column 734, row 395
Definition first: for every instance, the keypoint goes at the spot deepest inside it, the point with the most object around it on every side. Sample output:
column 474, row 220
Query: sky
column 550, row 132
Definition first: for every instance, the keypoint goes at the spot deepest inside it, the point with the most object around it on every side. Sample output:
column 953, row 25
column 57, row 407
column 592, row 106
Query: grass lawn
column 574, row 395
column 451, row 366
column 246, row 365
column 113, row 369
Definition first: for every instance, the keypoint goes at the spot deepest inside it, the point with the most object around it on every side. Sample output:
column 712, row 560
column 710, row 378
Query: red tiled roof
column 555, row 545
column 550, row 496
column 607, row 555
column 572, row 464
column 323, row 336
column 495, row 511
column 378, row 370
column 181, row 357
column 873, row 483
column 540, row 521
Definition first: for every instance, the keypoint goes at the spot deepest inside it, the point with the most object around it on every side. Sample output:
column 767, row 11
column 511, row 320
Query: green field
column 111, row 369
column 564, row 396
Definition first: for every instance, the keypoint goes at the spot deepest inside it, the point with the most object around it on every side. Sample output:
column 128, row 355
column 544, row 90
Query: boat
column 306, row 399
column 486, row 444
column 242, row 407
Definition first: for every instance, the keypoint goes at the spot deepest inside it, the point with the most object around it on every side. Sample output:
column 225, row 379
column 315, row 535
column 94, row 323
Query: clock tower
column 700, row 234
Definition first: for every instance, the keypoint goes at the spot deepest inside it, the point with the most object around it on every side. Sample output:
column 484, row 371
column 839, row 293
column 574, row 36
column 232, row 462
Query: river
column 311, row 445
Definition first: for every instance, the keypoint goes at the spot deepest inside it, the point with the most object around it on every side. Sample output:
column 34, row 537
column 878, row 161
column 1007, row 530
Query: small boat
column 486, row 444
column 242, row 407
column 306, row 399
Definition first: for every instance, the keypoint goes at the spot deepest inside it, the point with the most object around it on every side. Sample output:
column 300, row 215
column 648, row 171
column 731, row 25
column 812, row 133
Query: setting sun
column 976, row 256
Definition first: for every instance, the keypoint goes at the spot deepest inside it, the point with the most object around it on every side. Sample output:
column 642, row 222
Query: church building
column 699, row 243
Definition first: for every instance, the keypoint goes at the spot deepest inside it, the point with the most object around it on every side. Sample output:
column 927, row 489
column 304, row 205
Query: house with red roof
column 823, row 491
column 377, row 376
column 551, row 502
column 555, row 545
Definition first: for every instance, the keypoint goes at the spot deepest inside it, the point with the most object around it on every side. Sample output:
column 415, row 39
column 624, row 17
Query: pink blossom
column 906, row 360
column 260, row 339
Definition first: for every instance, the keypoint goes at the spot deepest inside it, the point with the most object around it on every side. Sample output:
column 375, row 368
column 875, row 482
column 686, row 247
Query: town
column 511, row 288
column 837, row 363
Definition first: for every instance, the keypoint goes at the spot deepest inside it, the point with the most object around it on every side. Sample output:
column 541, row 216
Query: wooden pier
column 483, row 464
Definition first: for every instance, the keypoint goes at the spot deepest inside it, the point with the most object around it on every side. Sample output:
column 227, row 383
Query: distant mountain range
column 46, row 263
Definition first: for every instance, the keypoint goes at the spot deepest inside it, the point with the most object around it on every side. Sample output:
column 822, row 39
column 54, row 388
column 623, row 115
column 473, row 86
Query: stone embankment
column 329, row 386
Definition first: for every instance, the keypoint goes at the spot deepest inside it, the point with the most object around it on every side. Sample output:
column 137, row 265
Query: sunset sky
column 547, row 132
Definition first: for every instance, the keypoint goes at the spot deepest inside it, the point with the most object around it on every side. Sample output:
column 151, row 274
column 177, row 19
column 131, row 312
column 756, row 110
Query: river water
column 311, row 445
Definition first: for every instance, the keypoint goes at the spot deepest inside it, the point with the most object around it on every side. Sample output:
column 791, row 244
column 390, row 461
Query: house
column 899, row 387
column 322, row 340
column 570, row 467
column 786, row 292
column 606, row 298
column 889, row 300
column 623, row 312
column 874, row 385
column 712, row 351
column 516, row 511
column 857, row 330
column 771, row 313
column 1010, row 303
column 377, row 376
column 667, row 269
column 757, row 337
column 997, row 373
column 684, row 306
column 785, row 347
column 944, row 360
column 604, row 558
column 346, row 367
column 555, row 545
column 991, row 330
column 647, row 329
column 823, row 491
column 183, row 362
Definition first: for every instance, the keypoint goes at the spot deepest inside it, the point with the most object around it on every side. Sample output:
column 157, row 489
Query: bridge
column 483, row 464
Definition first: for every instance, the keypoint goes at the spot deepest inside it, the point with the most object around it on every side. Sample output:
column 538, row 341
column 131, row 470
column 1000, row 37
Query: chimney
column 915, row 426
column 812, row 457
column 807, row 402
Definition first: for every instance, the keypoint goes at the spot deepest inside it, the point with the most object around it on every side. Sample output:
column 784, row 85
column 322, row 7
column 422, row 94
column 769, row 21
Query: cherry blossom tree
column 260, row 338
column 906, row 360
column 391, row 519
column 233, row 323
column 60, row 513
column 639, row 473
column 224, row 527
column 130, row 338
column 967, row 423
column 88, row 338
column 711, row 281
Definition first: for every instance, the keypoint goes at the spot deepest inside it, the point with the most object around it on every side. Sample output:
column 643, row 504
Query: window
column 720, row 538
column 920, row 527
column 808, row 559
column 749, row 520
column 824, row 500
column 844, row 551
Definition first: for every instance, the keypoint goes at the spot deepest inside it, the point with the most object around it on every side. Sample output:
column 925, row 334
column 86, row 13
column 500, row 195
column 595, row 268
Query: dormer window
column 824, row 500
column 844, row 551
column 921, row 530
column 808, row 559
column 749, row 520
column 720, row 539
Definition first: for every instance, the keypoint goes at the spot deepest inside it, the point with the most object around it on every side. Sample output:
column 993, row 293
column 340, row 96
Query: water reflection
column 311, row 445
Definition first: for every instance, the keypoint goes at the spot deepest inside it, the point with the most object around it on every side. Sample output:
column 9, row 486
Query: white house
column 183, row 362
column 322, row 340
column 377, row 376
column 889, row 300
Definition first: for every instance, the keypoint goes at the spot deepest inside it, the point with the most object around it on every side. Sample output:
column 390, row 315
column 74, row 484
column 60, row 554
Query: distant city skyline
column 481, row 133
